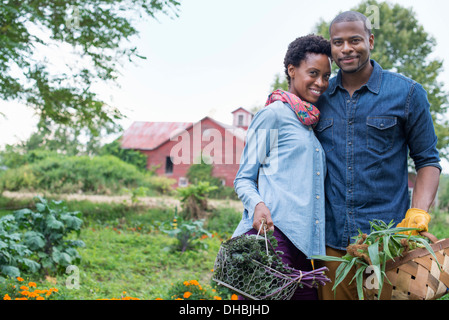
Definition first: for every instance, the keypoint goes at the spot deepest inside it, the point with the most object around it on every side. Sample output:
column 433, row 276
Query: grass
column 143, row 265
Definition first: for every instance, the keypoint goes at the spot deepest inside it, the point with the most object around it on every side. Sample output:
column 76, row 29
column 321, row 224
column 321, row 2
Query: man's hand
column 415, row 218
column 262, row 213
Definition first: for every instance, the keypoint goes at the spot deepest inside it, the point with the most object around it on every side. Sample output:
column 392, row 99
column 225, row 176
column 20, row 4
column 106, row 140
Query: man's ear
column 371, row 42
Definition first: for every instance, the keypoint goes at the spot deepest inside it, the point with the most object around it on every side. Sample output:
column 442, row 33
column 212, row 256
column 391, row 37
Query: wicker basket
column 415, row 275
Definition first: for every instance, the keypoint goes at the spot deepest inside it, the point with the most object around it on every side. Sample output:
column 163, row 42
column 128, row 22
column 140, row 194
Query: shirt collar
column 373, row 83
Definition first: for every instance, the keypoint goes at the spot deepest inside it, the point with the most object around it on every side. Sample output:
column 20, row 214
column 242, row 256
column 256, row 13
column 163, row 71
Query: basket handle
column 263, row 224
column 430, row 236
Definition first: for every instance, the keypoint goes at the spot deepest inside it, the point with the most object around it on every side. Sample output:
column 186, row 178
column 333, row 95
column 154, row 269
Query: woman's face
column 311, row 78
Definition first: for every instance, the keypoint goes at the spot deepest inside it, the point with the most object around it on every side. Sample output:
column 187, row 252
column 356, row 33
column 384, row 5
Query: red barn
column 172, row 147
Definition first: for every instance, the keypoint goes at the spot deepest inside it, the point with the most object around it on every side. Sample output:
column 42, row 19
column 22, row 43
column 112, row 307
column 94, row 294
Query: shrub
column 73, row 174
column 14, row 255
column 18, row 178
column 194, row 199
column 45, row 234
column 185, row 231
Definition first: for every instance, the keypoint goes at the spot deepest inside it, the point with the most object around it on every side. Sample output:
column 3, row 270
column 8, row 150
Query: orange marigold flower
column 40, row 298
column 159, row 299
column 24, row 288
column 186, row 283
column 25, row 293
column 187, row 294
column 32, row 284
column 20, row 279
column 194, row 282
column 178, row 299
column 6, row 297
column 217, row 298
column 234, row 297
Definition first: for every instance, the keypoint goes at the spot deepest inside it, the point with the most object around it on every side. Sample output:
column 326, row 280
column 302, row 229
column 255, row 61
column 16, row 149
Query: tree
column 402, row 45
column 92, row 33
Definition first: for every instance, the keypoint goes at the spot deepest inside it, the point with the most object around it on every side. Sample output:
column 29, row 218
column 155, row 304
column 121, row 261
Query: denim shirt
column 367, row 138
column 283, row 165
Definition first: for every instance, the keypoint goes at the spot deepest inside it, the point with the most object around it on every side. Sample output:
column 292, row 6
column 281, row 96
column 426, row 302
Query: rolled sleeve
column 256, row 150
column 421, row 137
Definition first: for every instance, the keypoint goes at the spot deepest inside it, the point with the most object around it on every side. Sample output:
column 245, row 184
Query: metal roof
column 143, row 135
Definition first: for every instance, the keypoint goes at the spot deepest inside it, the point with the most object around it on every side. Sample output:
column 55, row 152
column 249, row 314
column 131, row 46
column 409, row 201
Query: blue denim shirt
column 283, row 165
column 367, row 138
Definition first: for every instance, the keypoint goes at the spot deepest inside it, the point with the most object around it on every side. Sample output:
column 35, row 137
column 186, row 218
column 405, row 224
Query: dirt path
column 162, row 201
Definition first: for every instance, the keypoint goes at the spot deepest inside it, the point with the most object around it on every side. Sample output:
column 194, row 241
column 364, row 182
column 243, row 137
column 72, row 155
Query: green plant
column 136, row 193
column 46, row 232
column 14, row 255
column 16, row 288
column 187, row 232
column 192, row 290
column 194, row 199
column 373, row 250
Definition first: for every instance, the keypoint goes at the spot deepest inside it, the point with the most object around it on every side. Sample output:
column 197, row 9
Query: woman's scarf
column 306, row 112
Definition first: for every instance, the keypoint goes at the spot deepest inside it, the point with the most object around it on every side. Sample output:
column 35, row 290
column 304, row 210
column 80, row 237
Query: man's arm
column 426, row 187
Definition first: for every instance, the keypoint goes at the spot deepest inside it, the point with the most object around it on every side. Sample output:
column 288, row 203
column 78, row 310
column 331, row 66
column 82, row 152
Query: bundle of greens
column 373, row 250
column 250, row 265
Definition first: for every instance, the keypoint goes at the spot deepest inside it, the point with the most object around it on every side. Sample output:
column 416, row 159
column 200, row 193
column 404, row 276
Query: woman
column 282, row 169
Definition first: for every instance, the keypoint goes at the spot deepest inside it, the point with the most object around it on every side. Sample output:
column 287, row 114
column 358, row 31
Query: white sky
column 218, row 56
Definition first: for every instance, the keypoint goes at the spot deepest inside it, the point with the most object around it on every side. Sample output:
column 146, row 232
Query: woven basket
column 415, row 275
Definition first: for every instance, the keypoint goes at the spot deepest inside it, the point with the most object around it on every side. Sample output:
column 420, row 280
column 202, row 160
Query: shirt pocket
column 380, row 133
column 325, row 133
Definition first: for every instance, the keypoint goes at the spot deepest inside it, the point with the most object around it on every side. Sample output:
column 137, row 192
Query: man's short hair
column 351, row 16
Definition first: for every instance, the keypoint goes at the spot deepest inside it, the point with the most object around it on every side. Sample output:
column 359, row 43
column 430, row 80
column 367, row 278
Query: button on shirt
column 283, row 165
column 367, row 138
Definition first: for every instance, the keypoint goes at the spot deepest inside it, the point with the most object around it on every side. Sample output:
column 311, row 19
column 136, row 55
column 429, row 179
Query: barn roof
column 143, row 135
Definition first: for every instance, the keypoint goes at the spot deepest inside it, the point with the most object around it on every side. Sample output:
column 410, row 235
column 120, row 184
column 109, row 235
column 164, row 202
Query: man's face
column 351, row 45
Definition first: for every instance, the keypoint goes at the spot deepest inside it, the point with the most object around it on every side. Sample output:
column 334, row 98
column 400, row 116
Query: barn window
column 168, row 165
column 240, row 123
column 183, row 182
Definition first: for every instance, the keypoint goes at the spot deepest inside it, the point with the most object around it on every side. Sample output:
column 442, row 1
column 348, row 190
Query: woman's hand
column 262, row 213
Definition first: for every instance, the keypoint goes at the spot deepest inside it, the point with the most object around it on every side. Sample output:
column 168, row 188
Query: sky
column 217, row 56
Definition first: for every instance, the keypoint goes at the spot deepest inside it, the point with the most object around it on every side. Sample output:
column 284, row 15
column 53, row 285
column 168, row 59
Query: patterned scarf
column 306, row 112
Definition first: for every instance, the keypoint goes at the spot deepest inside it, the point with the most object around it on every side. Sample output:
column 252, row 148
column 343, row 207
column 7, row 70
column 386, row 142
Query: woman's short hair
column 297, row 50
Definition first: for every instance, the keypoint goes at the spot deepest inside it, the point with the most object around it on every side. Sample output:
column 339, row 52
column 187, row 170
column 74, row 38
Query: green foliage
column 224, row 221
column 194, row 199
column 127, row 155
column 161, row 185
column 14, row 255
column 37, row 241
column 202, row 172
column 92, row 35
column 100, row 175
column 18, row 178
column 46, row 231
column 187, row 232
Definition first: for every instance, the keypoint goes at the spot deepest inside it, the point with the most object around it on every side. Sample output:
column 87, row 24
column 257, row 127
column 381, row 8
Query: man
column 370, row 119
